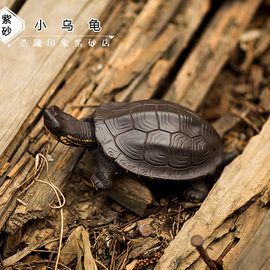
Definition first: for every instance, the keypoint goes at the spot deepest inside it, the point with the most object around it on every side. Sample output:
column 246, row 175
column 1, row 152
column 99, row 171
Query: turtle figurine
column 155, row 139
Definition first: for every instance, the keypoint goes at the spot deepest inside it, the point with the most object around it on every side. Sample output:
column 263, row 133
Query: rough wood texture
column 134, row 195
column 211, row 52
column 24, row 252
column 7, row 3
column 37, row 197
column 256, row 254
column 232, row 211
column 32, row 74
column 150, row 49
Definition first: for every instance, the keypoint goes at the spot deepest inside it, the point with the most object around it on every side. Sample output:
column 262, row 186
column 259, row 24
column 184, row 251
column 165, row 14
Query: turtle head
column 67, row 129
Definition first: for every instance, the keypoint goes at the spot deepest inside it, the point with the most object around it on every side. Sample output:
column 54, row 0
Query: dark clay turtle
column 155, row 139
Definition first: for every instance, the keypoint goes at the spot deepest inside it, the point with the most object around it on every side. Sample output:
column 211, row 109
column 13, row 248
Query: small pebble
column 145, row 229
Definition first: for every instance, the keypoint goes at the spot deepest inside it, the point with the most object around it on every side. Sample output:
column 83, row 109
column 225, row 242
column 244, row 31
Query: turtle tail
column 228, row 157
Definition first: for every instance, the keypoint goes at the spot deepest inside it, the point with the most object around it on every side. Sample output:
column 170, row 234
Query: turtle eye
column 55, row 127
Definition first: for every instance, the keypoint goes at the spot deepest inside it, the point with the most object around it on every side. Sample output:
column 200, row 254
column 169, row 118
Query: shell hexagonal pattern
column 158, row 139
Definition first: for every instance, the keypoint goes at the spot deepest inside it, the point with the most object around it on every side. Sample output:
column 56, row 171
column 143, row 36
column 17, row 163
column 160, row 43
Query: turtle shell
column 157, row 139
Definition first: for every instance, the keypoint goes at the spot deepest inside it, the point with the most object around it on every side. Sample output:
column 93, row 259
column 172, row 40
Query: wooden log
column 132, row 194
column 256, row 255
column 211, row 52
column 231, row 213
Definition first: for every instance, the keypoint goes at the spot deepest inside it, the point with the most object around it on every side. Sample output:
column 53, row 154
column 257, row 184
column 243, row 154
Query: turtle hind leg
column 101, row 182
column 196, row 191
column 102, row 179
column 228, row 157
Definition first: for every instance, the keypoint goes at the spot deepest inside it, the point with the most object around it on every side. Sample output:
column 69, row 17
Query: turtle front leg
column 196, row 191
column 102, row 179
